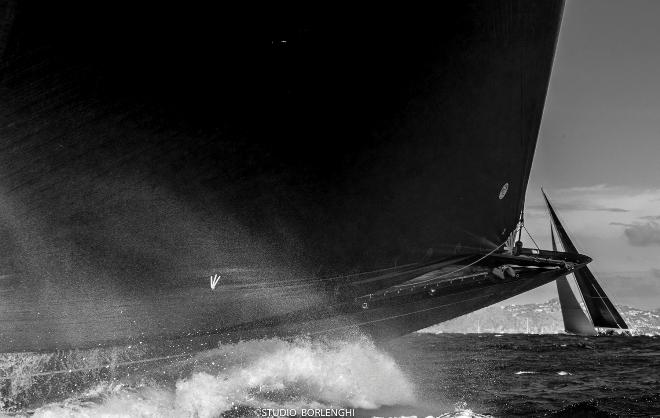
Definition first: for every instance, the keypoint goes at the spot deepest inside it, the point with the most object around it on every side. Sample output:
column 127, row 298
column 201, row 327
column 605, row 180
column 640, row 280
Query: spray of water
column 249, row 375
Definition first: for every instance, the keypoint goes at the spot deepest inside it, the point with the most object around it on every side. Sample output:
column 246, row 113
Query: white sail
column 575, row 320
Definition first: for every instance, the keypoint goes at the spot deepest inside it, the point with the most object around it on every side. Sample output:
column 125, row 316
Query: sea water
column 448, row 375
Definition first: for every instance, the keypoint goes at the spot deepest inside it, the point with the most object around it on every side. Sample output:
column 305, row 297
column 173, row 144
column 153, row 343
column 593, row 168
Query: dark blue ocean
column 449, row 375
column 532, row 375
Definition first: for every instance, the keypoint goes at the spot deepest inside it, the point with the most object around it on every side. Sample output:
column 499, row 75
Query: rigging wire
column 615, row 303
column 603, row 296
column 532, row 238
column 457, row 270
column 105, row 366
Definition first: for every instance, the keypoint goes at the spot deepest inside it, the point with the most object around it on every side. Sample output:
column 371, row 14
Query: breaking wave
column 242, row 377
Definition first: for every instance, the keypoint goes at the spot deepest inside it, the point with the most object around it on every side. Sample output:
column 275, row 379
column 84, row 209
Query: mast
column 575, row 320
column 602, row 311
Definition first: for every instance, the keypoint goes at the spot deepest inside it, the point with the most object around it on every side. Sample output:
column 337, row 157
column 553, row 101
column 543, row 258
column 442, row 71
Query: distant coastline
column 543, row 318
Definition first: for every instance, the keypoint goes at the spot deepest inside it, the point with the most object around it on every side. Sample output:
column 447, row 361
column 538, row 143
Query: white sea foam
column 461, row 410
column 255, row 374
column 463, row 413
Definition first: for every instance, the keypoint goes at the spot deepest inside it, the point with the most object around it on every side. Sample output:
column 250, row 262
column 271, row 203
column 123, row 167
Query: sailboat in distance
column 601, row 310
column 575, row 320
column 196, row 175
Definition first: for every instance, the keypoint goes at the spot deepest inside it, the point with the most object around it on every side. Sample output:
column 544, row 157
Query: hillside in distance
column 543, row 318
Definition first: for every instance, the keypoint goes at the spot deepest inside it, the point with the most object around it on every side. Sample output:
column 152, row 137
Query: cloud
column 583, row 189
column 578, row 205
column 591, row 217
column 620, row 224
column 651, row 217
column 600, row 198
column 641, row 234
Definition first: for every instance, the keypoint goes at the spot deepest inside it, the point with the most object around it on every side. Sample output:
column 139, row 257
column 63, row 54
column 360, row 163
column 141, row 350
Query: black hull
column 394, row 320
column 288, row 310
column 144, row 151
column 380, row 324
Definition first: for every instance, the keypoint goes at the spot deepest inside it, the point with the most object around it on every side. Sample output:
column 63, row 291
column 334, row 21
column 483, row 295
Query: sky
column 598, row 153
